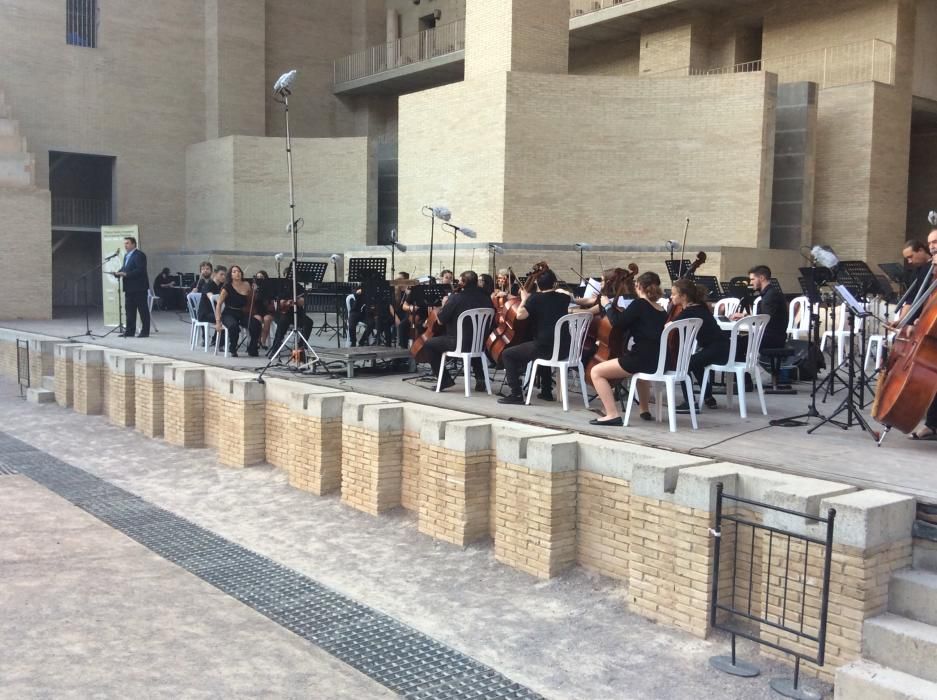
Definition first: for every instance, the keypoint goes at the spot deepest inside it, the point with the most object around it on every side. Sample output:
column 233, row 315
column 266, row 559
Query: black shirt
column 235, row 301
column 463, row 300
column 545, row 309
column 206, row 312
column 774, row 304
column 206, row 284
column 645, row 322
column 710, row 334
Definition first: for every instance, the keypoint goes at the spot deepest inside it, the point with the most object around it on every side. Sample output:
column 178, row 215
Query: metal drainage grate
column 398, row 657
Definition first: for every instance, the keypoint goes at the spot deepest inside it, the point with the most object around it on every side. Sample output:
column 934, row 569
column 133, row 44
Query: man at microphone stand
column 136, row 284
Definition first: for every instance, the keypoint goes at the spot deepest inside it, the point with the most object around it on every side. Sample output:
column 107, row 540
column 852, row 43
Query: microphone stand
column 83, row 279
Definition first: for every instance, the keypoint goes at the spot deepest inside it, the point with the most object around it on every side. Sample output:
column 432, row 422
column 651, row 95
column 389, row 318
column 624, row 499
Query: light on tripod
column 284, row 85
column 582, row 248
column 824, row 256
column 455, row 231
column 434, row 212
column 334, row 258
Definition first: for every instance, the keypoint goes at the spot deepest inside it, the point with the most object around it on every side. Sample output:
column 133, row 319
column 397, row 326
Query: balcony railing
column 835, row 66
column 428, row 44
column 577, row 8
column 83, row 213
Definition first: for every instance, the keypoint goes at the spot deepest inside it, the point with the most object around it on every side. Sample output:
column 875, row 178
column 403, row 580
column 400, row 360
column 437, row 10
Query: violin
column 508, row 330
column 908, row 382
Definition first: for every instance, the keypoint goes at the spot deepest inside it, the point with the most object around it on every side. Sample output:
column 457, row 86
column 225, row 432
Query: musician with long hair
column 263, row 307
column 645, row 318
column 233, row 310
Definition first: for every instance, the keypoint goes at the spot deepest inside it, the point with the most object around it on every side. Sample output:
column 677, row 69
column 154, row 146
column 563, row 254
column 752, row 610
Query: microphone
column 112, row 255
column 583, row 246
column 400, row 246
column 495, row 248
column 284, row 84
column 334, row 257
column 464, row 230
column 439, row 212
column 672, row 245
column 278, row 257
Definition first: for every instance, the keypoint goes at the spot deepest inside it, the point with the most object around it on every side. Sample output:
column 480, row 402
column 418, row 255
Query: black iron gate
column 782, row 604
column 22, row 364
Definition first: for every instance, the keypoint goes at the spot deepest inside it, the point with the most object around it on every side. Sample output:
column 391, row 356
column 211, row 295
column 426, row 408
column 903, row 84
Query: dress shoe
column 126, row 335
column 683, row 408
column 480, row 386
column 608, row 423
column 143, row 335
column 546, row 396
column 512, row 398
column 447, row 381
column 647, row 416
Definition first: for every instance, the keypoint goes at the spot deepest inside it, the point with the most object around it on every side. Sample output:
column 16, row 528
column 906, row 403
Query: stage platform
column 901, row 465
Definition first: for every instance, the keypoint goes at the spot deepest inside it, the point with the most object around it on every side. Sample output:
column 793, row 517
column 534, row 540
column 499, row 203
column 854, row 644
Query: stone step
column 902, row 644
column 925, row 555
column 864, row 680
column 913, row 594
column 34, row 395
column 48, row 383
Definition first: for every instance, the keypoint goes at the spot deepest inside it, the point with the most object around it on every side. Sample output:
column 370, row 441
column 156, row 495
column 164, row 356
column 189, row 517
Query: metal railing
column 577, row 8
column 834, row 66
column 81, row 23
column 428, row 44
column 72, row 211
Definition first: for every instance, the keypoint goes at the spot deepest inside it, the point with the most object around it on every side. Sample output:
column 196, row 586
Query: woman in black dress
column 644, row 318
column 712, row 342
column 233, row 310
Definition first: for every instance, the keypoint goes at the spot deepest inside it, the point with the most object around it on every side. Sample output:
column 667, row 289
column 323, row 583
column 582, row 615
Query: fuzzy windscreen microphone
column 932, row 218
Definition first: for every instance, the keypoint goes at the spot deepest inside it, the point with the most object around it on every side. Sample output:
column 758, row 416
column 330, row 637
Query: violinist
column 284, row 319
column 263, row 308
column 929, row 431
column 713, row 343
column 359, row 313
column 467, row 296
column 544, row 308
column 645, row 318
column 233, row 310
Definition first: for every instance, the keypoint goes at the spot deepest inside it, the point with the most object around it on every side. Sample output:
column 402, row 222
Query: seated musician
column 467, row 296
column 359, row 313
column 712, row 342
column 487, row 283
column 263, row 308
column 204, row 276
column 446, row 277
column 645, row 319
column 544, row 308
column 233, row 311
column 929, row 431
column 284, row 319
column 773, row 304
column 399, row 317
column 209, row 288
column 503, row 287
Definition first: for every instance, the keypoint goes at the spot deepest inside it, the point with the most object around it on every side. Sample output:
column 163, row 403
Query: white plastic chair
column 576, row 326
column 224, row 329
column 756, row 305
column 841, row 334
column 480, row 319
column 686, row 330
column 726, row 307
column 192, row 300
column 877, row 342
column 798, row 318
column 755, row 325
column 664, row 303
column 150, row 298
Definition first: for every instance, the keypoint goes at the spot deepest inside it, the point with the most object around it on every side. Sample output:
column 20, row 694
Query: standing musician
column 917, row 256
column 645, row 318
column 544, row 307
column 467, row 296
column 929, row 431
column 772, row 303
column 713, row 342
column 399, row 317
column 233, row 310
column 264, row 308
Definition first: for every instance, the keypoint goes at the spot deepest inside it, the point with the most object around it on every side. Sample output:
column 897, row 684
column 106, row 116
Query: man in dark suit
column 136, row 283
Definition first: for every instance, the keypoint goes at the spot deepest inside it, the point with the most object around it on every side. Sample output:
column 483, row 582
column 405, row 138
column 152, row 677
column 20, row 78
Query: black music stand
column 361, row 269
column 308, row 272
column 677, row 268
column 711, row 285
column 895, row 272
column 429, row 295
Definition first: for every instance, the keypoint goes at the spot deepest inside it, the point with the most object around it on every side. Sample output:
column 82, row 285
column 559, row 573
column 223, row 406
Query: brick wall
column 184, row 407
column 241, row 425
column 26, row 233
column 278, row 434
column 454, row 494
column 121, row 395
column 603, row 524
column 88, row 370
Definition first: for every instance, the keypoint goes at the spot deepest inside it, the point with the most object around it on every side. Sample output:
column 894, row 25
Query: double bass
column 508, row 330
column 908, row 382
column 610, row 342
column 674, row 311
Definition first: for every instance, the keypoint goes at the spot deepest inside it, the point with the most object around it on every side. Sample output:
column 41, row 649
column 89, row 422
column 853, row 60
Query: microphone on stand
column 113, row 255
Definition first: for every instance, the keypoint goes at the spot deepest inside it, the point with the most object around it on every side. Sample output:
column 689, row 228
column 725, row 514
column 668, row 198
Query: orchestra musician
column 233, row 310
column 487, row 283
column 411, row 315
column 263, row 307
column 929, row 430
column 208, row 288
column 503, row 287
column 918, row 259
column 645, row 319
column 544, row 308
column 773, row 304
column 284, row 319
column 165, row 287
column 359, row 313
column 713, row 343
column 204, row 276
column 446, row 277
column 467, row 296
column 399, row 317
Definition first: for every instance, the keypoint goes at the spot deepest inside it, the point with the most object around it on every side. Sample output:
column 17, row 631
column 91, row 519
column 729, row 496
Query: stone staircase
column 899, row 648
column 17, row 165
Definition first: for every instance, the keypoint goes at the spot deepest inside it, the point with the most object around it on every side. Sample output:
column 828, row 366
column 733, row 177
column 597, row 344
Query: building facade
column 539, row 123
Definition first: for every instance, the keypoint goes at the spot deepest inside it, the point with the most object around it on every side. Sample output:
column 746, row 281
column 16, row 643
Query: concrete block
column 151, row 369
column 620, row 459
column 867, row 519
column 902, row 644
column 355, row 405
column 805, row 496
column 460, row 435
column 185, row 377
column 925, row 555
column 913, row 594
column 321, row 406
column 511, row 440
column 48, row 383
column 40, row 396
column 865, row 680
column 246, row 390
column 416, row 415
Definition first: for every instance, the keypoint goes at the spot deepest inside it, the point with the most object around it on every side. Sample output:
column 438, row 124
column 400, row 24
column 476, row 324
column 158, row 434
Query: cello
column 908, row 382
column 508, row 330
column 609, row 341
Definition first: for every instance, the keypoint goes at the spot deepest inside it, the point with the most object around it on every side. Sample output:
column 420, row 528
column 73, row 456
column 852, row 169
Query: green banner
column 112, row 241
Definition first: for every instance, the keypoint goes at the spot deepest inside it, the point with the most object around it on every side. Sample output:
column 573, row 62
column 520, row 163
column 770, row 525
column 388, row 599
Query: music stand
column 895, row 272
column 360, row 269
column 711, row 284
column 429, row 295
column 308, row 272
column 676, row 268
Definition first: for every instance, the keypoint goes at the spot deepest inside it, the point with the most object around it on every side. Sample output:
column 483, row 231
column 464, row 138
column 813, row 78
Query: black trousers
column 515, row 361
column 403, row 333
column 285, row 322
column 233, row 320
column 931, row 420
column 435, row 347
column 717, row 354
column 136, row 302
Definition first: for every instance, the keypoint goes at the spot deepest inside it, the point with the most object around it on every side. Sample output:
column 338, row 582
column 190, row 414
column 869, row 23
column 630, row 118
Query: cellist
column 929, row 431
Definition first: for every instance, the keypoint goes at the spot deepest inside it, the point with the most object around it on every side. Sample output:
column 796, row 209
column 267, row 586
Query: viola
column 908, row 383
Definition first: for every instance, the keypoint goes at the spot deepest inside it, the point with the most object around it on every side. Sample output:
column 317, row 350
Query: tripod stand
column 302, row 355
column 850, row 405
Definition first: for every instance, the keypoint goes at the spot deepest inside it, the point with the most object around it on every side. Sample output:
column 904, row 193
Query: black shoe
column 480, row 386
column 512, row 398
column 126, row 335
column 647, row 416
column 546, row 396
column 711, row 402
column 144, row 335
column 682, row 408
column 608, row 423
column 252, row 353
column 233, row 353
column 447, row 381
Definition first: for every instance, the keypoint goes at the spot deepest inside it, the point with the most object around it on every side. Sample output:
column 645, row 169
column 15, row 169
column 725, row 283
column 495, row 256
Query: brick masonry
column 148, row 396
column 184, row 406
column 241, row 425
column 454, row 494
column 89, row 380
column 603, row 524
